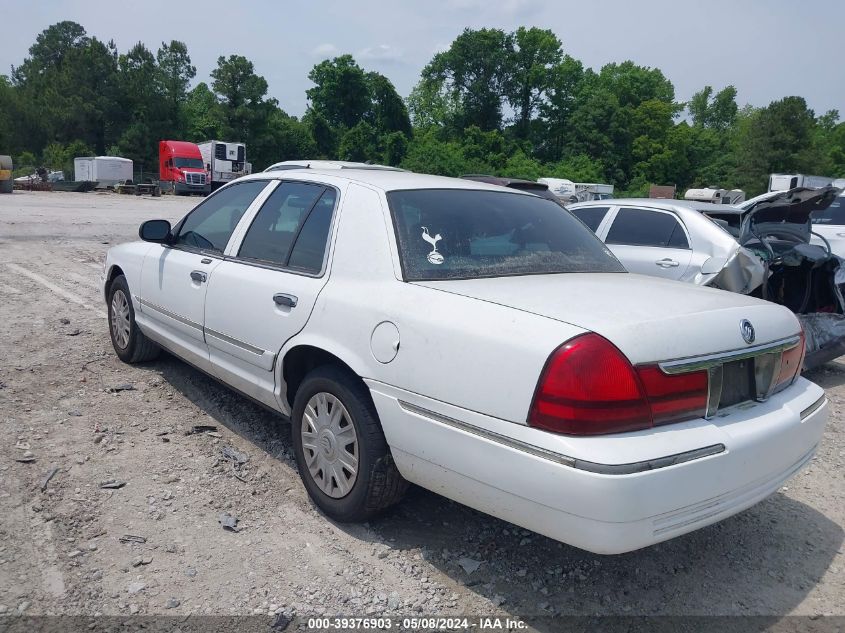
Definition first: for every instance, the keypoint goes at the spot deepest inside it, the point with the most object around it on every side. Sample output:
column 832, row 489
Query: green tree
column 395, row 148
column 718, row 112
column 341, row 94
column 241, row 93
column 473, row 73
column 387, row 111
column 533, row 57
column 359, row 143
column 777, row 138
column 203, row 114
column 176, row 72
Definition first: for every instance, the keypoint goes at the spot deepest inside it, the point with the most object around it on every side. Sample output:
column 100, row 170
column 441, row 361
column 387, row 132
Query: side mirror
column 157, row 231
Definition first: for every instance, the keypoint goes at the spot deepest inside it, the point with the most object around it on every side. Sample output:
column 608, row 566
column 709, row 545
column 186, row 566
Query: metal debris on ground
column 113, row 483
column 281, row 622
column 52, row 473
column 201, row 428
column 228, row 522
column 237, row 458
column 131, row 538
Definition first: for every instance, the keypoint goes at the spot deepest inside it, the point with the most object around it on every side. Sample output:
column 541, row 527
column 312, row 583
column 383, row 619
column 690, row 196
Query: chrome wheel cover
column 120, row 323
column 330, row 445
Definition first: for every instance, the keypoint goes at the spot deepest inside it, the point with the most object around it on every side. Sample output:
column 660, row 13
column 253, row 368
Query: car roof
column 386, row 180
column 660, row 203
column 325, row 164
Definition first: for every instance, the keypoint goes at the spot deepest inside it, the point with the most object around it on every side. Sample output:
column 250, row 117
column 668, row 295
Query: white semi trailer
column 224, row 161
column 785, row 182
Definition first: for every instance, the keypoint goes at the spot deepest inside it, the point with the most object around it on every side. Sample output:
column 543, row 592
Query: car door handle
column 667, row 263
column 198, row 276
column 840, row 235
column 285, row 301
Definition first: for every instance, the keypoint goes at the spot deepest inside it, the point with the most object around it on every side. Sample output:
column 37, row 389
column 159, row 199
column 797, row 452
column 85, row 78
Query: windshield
column 464, row 234
column 192, row 163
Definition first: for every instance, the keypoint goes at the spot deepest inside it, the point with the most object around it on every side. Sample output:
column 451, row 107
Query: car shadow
column 764, row 561
column 829, row 375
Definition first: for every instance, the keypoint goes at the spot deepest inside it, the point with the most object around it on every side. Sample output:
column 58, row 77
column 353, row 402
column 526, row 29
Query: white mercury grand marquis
column 478, row 342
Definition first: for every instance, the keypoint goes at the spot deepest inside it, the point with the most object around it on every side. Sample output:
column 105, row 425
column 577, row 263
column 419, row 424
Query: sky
column 768, row 49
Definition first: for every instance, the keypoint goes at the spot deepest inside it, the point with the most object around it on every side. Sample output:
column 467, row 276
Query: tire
column 377, row 483
column 132, row 346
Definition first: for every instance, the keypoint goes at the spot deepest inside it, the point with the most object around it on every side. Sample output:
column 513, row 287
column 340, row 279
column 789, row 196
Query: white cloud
column 381, row 53
column 325, row 50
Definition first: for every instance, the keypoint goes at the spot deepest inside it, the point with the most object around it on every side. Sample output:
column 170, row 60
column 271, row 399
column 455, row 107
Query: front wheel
column 343, row 458
column 129, row 342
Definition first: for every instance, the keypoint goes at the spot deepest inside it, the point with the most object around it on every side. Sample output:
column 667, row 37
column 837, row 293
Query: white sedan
column 478, row 342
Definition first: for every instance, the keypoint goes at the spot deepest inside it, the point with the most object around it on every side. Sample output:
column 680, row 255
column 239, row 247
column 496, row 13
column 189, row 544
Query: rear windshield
column 464, row 234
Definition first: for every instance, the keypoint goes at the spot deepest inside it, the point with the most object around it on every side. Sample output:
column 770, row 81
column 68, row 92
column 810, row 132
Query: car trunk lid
column 649, row 320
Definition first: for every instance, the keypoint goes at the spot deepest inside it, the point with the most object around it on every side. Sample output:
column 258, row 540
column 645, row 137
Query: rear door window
column 211, row 224
column 591, row 216
column 647, row 227
column 293, row 220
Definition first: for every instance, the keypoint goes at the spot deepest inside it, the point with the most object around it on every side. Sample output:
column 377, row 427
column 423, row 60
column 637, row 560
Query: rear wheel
column 343, row 458
column 130, row 344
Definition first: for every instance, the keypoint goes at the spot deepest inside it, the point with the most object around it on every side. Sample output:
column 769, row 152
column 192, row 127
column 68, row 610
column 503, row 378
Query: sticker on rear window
column 433, row 257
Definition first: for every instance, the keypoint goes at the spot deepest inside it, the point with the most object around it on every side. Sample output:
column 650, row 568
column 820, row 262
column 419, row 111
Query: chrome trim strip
column 234, row 341
column 818, row 404
column 572, row 462
column 682, row 365
column 170, row 314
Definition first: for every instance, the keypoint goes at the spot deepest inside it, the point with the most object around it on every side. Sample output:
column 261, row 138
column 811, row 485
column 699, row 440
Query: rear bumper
column 637, row 496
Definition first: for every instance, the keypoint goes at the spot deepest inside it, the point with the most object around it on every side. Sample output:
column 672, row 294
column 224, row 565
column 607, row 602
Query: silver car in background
column 762, row 248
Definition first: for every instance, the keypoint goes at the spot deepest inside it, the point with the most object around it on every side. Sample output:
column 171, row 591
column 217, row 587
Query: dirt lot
column 62, row 401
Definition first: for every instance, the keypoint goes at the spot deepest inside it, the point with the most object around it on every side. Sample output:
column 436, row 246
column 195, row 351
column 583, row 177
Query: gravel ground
column 86, row 418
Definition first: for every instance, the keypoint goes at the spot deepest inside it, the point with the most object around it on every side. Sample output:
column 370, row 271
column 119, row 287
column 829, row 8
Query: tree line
column 495, row 102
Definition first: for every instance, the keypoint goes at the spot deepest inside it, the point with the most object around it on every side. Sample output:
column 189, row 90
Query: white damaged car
column 766, row 247
column 476, row 341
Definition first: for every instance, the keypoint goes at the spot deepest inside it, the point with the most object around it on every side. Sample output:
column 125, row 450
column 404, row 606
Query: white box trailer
column 224, row 161
column 785, row 182
column 106, row 171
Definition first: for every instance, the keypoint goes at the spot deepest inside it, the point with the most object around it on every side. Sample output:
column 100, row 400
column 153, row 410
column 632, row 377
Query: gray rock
column 135, row 587
column 469, row 565
column 172, row 603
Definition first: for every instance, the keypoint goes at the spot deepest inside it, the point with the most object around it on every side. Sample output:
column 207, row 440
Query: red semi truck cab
column 180, row 164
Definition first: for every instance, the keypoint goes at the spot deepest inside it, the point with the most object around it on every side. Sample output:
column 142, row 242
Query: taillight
column 790, row 364
column 589, row 387
column 674, row 397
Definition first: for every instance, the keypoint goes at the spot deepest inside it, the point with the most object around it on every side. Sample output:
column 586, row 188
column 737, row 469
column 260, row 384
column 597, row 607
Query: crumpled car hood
column 784, row 211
